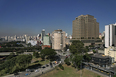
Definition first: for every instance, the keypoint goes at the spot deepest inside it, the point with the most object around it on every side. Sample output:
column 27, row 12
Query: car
column 27, row 74
column 47, row 65
column 43, row 67
column 36, row 70
column 16, row 73
column 28, row 70
column 31, row 70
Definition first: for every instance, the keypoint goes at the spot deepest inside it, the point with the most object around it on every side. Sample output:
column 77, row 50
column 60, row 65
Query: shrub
column 94, row 51
column 67, row 61
column 61, row 67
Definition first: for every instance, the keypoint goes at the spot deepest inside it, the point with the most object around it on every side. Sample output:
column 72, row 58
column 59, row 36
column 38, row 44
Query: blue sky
column 18, row 17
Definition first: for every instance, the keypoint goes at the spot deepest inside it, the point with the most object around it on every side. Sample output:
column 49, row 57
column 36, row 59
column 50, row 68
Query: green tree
column 48, row 52
column 77, row 60
column 86, row 57
column 76, row 47
column 67, row 61
column 9, row 57
column 15, row 64
column 12, row 53
column 61, row 67
column 94, row 51
column 36, row 54
column 87, row 47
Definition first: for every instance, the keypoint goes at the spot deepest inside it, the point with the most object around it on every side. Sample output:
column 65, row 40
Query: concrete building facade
column 110, row 35
column 58, row 39
column 46, row 40
column 86, row 29
column 111, row 51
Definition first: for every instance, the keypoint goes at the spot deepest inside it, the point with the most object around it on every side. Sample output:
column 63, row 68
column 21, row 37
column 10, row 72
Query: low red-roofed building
column 44, row 46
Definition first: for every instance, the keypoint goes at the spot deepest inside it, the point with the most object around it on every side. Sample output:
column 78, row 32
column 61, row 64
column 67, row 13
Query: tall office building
column 110, row 35
column 85, row 28
column 58, row 39
column 42, row 34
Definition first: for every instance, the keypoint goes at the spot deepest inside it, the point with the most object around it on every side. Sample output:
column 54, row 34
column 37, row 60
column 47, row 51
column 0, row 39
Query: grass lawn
column 69, row 72
column 36, row 61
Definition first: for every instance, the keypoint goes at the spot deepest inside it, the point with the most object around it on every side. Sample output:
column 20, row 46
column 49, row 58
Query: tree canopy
column 15, row 64
column 77, row 60
column 77, row 47
column 50, row 53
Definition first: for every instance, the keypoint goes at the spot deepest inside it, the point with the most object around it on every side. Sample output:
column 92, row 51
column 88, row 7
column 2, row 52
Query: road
column 63, row 56
column 7, row 53
column 24, row 44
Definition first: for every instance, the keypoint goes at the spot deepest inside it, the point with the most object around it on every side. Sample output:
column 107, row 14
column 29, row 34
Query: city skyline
column 18, row 17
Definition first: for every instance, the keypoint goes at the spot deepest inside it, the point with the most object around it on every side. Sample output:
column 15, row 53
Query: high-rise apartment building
column 58, row 39
column 46, row 40
column 110, row 35
column 27, row 38
column 85, row 28
column 6, row 38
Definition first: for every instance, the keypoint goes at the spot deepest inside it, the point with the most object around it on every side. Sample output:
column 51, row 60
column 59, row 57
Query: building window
column 89, row 37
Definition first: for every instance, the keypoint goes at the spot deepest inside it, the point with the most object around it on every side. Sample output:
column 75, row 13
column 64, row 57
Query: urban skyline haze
column 18, row 17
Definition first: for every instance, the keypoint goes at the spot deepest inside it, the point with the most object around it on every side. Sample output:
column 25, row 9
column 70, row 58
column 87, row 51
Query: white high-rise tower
column 110, row 35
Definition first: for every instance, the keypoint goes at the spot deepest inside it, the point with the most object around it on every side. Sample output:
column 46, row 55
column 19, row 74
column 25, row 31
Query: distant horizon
column 31, row 35
column 18, row 17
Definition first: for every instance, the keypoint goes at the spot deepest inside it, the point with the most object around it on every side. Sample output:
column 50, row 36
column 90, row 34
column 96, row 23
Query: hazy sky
column 18, row 17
